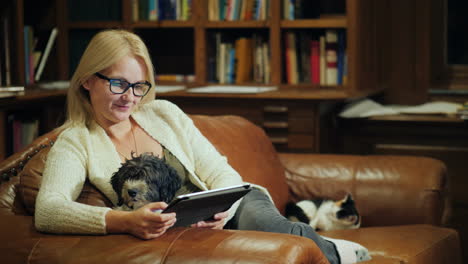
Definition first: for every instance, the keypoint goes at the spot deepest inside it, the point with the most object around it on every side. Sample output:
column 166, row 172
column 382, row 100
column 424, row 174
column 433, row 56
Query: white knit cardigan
column 81, row 153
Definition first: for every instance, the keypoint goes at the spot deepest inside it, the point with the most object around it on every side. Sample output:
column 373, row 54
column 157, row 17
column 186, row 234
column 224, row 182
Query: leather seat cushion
column 30, row 182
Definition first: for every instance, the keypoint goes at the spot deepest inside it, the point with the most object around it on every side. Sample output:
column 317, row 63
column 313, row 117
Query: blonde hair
column 105, row 49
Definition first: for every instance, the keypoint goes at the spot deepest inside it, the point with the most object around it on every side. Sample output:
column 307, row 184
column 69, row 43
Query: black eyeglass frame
column 130, row 85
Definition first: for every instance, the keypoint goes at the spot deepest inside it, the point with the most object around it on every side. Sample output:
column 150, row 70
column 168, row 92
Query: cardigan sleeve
column 63, row 178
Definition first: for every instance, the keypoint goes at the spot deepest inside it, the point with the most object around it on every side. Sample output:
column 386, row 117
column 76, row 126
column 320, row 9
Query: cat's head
column 347, row 213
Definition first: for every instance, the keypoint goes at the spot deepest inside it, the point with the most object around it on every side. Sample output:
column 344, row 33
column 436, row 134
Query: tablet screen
column 201, row 206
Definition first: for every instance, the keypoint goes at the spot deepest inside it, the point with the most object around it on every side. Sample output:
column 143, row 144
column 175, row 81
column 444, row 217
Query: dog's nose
column 132, row 193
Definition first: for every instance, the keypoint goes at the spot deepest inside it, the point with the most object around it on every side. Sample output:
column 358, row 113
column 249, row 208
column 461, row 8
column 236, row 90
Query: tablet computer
column 200, row 206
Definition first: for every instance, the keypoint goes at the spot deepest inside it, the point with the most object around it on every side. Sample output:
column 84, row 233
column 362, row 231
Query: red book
column 315, row 61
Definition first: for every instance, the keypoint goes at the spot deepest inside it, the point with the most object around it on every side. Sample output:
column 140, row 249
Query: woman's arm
column 62, row 182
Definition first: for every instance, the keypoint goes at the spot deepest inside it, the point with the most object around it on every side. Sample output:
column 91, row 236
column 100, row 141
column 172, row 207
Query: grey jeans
column 256, row 212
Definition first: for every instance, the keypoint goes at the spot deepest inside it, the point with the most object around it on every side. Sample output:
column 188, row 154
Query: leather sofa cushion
column 30, row 182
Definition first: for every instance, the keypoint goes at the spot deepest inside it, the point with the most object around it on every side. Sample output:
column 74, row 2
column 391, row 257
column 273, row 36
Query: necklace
column 131, row 149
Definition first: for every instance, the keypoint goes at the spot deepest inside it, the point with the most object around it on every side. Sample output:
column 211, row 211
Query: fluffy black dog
column 144, row 179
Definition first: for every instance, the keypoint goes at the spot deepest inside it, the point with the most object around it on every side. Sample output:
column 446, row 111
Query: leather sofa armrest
column 388, row 190
column 178, row 245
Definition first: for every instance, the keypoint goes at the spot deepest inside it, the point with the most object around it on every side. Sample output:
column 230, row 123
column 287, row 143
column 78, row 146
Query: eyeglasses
column 118, row 86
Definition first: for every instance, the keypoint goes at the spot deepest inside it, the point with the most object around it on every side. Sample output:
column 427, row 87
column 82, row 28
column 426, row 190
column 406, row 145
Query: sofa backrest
column 249, row 151
column 245, row 145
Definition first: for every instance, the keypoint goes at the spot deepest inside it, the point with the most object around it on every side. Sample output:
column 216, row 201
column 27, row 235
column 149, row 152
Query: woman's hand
column 143, row 223
column 217, row 223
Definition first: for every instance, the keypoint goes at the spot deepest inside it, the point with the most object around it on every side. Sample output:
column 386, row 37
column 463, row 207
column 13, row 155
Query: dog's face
column 144, row 179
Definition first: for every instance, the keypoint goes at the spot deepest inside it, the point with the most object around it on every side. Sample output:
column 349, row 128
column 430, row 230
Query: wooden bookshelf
column 198, row 30
column 186, row 47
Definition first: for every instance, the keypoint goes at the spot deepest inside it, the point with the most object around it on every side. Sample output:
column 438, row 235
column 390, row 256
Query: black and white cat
column 325, row 214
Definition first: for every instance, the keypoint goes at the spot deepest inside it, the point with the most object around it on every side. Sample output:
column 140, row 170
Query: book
column 6, row 51
column 244, row 60
column 323, row 63
column 331, row 57
column 135, row 10
column 26, row 30
column 315, row 61
column 45, row 54
column 153, row 10
column 259, row 69
column 292, row 57
column 266, row 62
column 287, row 58
column 341, row 56
column 143, row 10
column 305, row 56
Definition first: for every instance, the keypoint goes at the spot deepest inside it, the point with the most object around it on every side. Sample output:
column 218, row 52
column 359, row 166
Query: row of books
column 174, row 78
column 317, row 59
column 241, row 60
column 232, row 10
column 37, row 47
column 154, row 10
column 22, row 133
column 301, row 9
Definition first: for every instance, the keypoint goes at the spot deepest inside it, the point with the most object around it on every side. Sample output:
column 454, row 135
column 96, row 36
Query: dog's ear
column 170, row 184
column 117, row 181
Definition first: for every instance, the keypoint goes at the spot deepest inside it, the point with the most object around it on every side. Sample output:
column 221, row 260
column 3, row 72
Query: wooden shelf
column 332, row 22
column 163, row 24
column 32, row 95
column 287, row 94
column 238, row 24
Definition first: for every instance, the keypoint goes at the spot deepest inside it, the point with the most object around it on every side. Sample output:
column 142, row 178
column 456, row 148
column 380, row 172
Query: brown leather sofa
column 402, row 200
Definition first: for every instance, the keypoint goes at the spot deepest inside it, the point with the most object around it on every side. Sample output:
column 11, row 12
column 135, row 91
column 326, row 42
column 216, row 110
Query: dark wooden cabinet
column 291, row 119
column 440, row 137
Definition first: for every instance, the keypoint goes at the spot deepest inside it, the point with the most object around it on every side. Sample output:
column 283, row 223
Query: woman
column 112, row 114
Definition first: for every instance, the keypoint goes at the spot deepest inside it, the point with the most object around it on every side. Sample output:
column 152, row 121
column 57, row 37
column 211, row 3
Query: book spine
column 26, row 53
column 341, row 56
column 294, row 70
column 135, row 10
column 50, row 43
column 266, row 62
column 222, row 63
column 287, row 58
column 323, row 64
column 152, row 10
column 304, row 43
column 6, row 39
column 232, row 56
column 218, row 56
column 331, row 40
column 170, row 77
column 315, row 61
